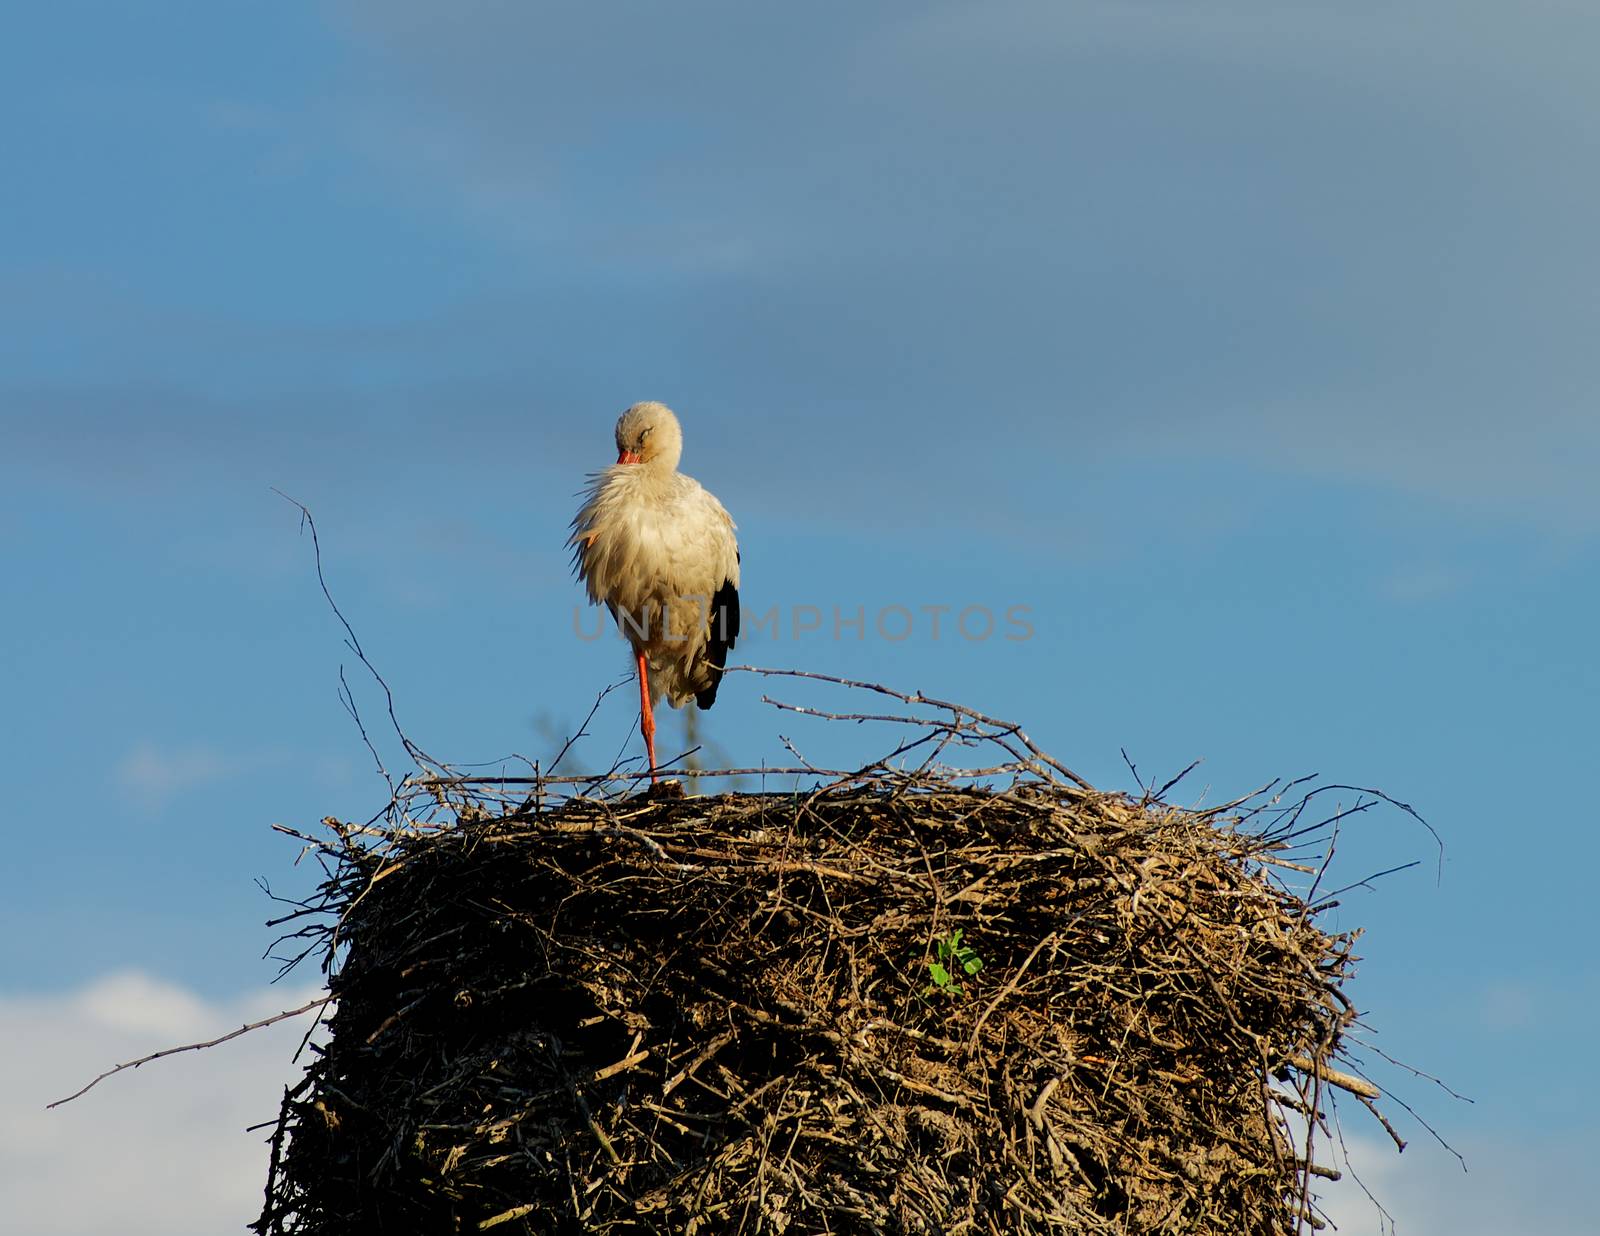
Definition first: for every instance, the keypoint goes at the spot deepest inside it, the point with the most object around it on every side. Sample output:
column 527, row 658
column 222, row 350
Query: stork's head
column 648, row 434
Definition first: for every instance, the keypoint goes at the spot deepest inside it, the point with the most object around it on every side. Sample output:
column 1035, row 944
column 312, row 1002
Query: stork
column 655, row 548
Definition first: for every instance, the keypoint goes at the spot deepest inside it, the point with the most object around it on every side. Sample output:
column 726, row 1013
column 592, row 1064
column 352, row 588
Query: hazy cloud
column 1417, row 584
column 1344, row 244
column 1000, row 245
column 156, row 774
column 1510, row 1006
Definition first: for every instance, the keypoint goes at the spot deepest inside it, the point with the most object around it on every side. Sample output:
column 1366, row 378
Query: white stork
column 658, row 550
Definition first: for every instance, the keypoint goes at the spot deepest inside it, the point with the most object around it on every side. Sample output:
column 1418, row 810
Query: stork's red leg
column 647, row 720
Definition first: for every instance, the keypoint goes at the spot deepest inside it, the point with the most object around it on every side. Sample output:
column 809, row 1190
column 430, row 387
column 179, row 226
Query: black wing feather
column 724, row 631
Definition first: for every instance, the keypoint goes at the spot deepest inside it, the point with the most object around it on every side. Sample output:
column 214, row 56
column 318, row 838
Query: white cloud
column 1512, row 1184
column 156, row 1151
column 133, row 1003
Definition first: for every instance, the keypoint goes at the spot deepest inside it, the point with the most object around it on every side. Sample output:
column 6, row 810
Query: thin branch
column 1134, row 769
column 1415, row 1072
column 173, row 1051
column 1162, row 792
column 1376, row 875
column 1003, row 728
column 420, row 756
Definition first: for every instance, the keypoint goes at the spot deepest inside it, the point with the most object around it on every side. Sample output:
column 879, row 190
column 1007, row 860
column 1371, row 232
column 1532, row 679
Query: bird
column 658, row 550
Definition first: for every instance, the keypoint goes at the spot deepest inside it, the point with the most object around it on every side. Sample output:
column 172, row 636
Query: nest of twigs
column 906, row 1001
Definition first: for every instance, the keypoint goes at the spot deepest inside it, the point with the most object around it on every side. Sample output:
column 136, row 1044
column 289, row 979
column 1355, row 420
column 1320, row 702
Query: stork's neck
column 652, row 479
column 661, row 467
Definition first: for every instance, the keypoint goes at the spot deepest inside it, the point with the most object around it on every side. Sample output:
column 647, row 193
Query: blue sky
column 1248, row 345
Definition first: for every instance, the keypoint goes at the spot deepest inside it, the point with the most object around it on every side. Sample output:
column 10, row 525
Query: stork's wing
column 724, row 631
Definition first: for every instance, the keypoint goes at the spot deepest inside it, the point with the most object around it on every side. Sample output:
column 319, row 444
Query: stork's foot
column 665, row 790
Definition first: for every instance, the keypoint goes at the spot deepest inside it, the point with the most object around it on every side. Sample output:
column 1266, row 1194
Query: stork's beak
column 626, row 456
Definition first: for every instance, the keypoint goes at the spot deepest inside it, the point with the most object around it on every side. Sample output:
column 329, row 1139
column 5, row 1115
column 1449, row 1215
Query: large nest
column 907, row 1001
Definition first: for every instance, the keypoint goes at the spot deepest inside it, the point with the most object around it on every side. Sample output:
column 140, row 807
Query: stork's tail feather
column 724, row 631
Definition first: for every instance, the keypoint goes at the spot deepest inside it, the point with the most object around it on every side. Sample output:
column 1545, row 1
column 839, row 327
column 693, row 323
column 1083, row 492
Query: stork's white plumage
column 658, row 551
